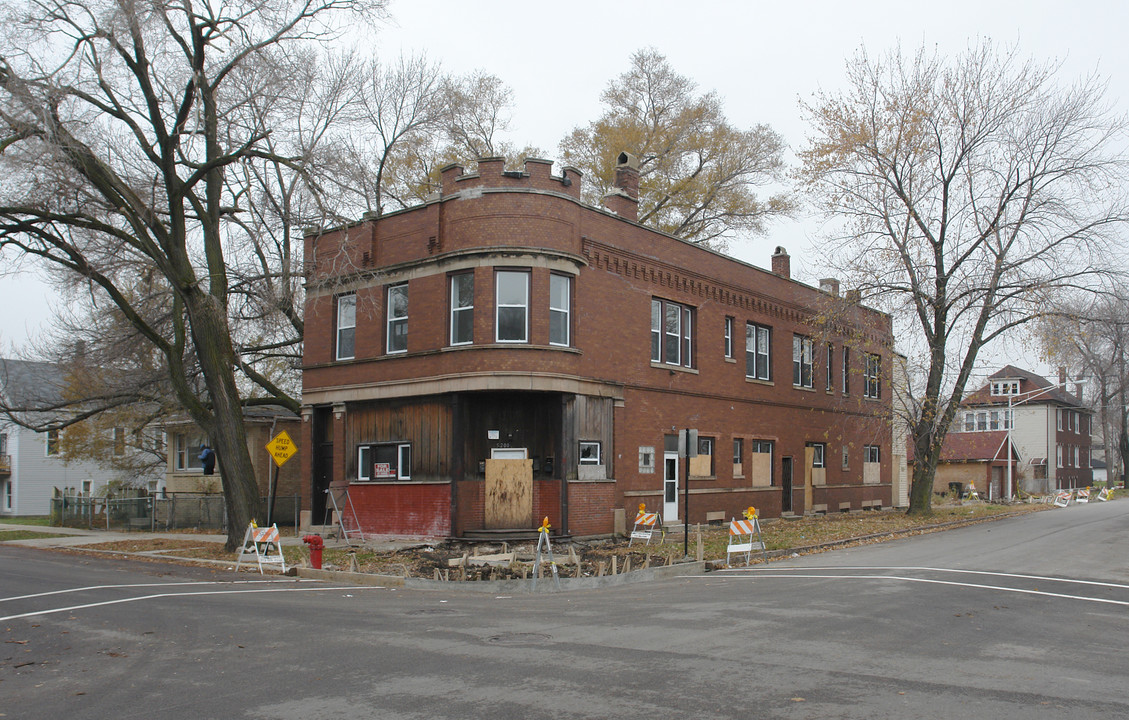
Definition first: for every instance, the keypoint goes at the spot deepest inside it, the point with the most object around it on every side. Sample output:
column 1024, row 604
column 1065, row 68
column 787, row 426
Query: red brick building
column 506, row 352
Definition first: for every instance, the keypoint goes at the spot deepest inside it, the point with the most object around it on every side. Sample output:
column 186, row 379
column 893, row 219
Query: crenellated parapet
column 492, row 173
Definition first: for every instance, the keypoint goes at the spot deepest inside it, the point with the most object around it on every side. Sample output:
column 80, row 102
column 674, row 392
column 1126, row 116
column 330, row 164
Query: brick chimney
column 829, row 286
column 781, row 262
column 624, row 199
column 1062, row 377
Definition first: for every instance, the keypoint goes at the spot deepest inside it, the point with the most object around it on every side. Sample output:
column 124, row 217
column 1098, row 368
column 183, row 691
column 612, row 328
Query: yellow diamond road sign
column 281, row 448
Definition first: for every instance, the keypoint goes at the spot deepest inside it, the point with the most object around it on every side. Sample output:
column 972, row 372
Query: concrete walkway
column 82, row 536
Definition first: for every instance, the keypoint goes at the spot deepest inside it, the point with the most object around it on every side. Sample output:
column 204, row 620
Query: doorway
column 670, row 486
column 509, row 489
column 786, row 485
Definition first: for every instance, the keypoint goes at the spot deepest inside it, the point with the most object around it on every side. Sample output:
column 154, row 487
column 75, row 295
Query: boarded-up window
column 760, row 463
column 702, row 466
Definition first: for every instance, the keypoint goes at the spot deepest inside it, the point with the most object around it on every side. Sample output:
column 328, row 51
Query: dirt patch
column 456, row 560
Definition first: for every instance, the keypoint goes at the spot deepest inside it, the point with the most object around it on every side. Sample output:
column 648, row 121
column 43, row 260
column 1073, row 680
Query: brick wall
column 403, row 509
column 535, row 222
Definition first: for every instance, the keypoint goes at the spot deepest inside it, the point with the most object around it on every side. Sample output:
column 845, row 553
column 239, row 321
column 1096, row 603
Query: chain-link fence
column 172, row 511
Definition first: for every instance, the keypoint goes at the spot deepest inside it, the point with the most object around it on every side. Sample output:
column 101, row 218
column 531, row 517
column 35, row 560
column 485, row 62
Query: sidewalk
column 83, row 536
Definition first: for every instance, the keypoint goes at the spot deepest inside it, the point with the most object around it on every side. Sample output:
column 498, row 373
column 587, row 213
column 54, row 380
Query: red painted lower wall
column 414, row 510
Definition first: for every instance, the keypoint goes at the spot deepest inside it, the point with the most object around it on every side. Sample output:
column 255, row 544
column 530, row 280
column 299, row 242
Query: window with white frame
column 119, row 441
column 1005, row 387
column 1058, row 418
column 560, row 309
column 589, row 452
column 346, row 326
column 728, row 337
column 846, row 370
column 737, row 451
column 187, row 451
column 462, row 308
column 3, row 443
column 384, row 462
column 8, row 496
column 758, row 352
column 871, row 453
column 1058, row 454
column 398, row 318
column 671, row 333
column 970, row 422
column 818, row 454
column 1076, row 456
column 511, row 292
column 872, row 380
column 52, row 447
column 802, row 367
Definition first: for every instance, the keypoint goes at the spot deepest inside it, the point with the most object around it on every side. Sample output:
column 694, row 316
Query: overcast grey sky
column 761, row 57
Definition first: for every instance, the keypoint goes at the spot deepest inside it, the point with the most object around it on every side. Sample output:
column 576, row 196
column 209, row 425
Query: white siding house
column 34, row 467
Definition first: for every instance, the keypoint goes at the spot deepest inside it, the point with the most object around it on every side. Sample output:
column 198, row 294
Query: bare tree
column 1091, row 337
column 698, row 173
column 971, row 190
column 124, row 127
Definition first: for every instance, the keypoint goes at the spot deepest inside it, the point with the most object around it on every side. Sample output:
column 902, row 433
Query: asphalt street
column 1021, row 618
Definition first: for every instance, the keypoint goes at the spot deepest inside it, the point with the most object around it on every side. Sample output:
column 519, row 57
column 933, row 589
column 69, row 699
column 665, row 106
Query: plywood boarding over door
column 509, row 494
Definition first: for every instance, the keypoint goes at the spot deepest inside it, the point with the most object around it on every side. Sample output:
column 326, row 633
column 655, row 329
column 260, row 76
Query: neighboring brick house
column 506, row 352
column 1050, row 435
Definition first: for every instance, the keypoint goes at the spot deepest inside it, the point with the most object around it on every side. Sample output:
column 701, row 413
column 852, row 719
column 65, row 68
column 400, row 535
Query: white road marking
column 941, row 570
column 171, row 595
column 182, row 583
column 977, row 586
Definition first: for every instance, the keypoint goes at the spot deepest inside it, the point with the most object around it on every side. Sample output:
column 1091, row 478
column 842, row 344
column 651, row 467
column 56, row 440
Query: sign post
column 281, row 449
column 688, row 448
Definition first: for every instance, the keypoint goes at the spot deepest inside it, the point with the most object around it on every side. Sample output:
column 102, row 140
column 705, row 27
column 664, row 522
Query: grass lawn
column 43, row 520
column 6, row 535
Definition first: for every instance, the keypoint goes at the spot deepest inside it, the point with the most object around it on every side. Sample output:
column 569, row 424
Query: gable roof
column 1029, row 382
column 27, row 384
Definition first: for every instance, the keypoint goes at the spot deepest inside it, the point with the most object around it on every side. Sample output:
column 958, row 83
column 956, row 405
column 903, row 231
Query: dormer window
column 1005, row 387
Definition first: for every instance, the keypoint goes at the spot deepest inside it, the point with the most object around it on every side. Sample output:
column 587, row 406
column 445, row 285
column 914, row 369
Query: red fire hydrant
column 316, row 544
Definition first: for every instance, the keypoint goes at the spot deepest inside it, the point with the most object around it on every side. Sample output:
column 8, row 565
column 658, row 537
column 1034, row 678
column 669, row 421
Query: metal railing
column 174, row 511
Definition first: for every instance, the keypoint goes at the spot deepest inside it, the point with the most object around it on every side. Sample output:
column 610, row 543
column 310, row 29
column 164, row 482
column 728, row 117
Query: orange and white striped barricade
column 262, row 543
column 645, row 525
column 1103, row 494
column 741, row 540
column 1082, row 495
column 1062, row 498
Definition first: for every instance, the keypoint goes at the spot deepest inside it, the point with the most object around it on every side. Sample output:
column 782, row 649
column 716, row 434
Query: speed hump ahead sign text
column 282, row 448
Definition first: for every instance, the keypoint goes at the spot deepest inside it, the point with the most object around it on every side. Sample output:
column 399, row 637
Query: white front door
column 670, row 487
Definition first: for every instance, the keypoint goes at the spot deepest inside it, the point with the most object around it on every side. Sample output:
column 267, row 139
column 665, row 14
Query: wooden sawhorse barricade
column 741, row 540
column 645, row 525
column 263, row 544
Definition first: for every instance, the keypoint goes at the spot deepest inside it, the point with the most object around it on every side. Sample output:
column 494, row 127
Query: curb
column 546, row 584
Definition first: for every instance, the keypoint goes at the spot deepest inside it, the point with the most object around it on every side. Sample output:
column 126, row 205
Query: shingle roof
column 26, row 384
column 975, row 446
column 1029, row 382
